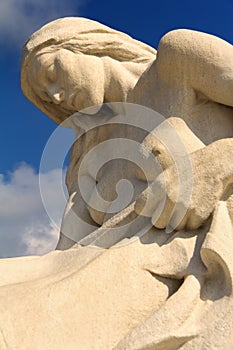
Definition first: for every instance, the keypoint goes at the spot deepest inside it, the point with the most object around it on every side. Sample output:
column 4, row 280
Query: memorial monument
column 157, row 272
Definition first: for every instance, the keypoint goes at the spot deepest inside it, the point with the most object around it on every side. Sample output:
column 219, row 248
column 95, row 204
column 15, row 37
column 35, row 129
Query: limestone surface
column 157, row 273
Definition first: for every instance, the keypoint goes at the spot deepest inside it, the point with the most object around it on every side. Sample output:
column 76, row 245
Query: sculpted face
column 65, row 78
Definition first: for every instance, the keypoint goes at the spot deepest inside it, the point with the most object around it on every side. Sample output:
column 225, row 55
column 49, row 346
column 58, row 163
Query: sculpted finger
column 178, row 219
column 195, row 221
column 162, row 213
column 147, row 202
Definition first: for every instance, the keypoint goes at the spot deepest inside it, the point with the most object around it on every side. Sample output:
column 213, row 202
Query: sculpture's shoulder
column 192, row 44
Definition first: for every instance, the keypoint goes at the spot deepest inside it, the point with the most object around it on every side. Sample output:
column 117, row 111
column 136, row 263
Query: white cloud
column 20, row 18
column 25, row 228
column 40, row 238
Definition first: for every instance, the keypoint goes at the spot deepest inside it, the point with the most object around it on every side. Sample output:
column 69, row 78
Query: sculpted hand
column 183, row 198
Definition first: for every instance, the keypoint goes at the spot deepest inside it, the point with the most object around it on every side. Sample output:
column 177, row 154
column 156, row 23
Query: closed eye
column 51, row 73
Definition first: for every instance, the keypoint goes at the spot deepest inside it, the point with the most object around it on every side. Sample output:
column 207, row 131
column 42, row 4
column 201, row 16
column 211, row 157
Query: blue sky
column 24, row 225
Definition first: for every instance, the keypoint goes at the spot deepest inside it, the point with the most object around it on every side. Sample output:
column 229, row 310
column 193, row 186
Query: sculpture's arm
column 198, row 60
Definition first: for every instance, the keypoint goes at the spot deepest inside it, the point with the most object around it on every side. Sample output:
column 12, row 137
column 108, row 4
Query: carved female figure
column 165, row 294
column 89, row 64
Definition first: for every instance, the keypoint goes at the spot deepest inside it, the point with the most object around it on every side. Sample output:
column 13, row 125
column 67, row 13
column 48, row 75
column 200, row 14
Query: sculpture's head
column 69, row 63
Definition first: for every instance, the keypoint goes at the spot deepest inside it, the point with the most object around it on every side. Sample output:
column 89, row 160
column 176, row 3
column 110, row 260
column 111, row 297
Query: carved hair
column 81, row 36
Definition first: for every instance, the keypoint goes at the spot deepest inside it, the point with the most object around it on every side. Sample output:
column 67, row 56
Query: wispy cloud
column 25, row 228
column 20, row 18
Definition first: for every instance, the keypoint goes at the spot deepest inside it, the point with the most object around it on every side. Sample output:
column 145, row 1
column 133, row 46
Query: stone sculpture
column 171, row 287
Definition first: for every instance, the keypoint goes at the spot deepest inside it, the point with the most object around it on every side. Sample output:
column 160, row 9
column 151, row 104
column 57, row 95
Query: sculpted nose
column 57, row 96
